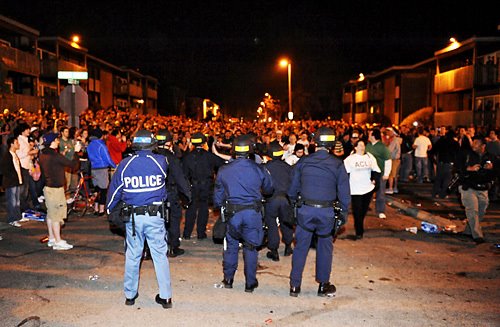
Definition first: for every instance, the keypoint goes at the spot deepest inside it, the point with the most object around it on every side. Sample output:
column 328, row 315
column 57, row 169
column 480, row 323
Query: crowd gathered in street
column 293, row 177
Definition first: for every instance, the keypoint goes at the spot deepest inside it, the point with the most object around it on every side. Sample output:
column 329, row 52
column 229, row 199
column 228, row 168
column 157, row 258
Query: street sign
column 73, row 101
column 72, row 75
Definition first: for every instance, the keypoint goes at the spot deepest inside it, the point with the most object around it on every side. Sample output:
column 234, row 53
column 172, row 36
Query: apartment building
column 459, row 85
column 19, row 65
column 29, row 66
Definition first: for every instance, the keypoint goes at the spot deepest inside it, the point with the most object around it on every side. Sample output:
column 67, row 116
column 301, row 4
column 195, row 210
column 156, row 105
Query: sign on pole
column 73, row 99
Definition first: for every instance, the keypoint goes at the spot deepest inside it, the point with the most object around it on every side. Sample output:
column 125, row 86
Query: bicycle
column 81, row 199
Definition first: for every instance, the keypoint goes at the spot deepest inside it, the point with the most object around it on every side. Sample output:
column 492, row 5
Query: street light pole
column 290, row 112
column 288, row 64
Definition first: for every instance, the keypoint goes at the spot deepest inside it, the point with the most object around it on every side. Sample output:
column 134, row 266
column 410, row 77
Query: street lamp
column 287, row 63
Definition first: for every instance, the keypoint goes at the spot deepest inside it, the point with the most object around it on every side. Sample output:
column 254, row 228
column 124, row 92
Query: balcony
column 20, row 61
column 50, row 67
column 135, row 91
column 454, row 80
column 347, row 98
column 361, row 96
column 16, row 101
column 152, row 93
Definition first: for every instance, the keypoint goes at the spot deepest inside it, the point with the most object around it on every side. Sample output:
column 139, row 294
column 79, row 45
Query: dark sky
column 228, row 50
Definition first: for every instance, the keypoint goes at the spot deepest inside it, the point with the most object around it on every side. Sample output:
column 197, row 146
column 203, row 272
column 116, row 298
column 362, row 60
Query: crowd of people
column 42, row 157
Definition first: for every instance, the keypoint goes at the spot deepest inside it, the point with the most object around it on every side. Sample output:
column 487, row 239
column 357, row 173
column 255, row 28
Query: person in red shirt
column 116, row 143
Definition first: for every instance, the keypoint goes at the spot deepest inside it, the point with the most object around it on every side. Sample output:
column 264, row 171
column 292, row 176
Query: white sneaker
column 389, row 191
column 15, row 223
column 23, row 220
column 51, row 242
column 62, row 245
column 382, row 215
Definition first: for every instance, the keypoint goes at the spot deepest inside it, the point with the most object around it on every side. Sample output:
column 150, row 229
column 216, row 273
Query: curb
column 455, row 226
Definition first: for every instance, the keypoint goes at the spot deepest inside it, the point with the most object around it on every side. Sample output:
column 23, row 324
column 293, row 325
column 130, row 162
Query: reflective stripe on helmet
column 327, row 138
column 241, row 148
column 278, row 153
column 196, row 140
column 142, row 139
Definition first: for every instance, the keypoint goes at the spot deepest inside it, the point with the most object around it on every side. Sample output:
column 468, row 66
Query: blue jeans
column 406, row 166
column 380, row 196
column 13, row 199
column 421, row 168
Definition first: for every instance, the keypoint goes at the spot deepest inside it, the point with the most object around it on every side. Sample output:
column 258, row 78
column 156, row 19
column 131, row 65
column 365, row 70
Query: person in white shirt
column 304, row 140
column 359, row 165
column 297, row 154
column 25, row 155
column 289, row 148
column 422, row 144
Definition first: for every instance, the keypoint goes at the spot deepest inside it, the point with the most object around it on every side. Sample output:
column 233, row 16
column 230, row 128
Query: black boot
column 250, row 288
column 175, row 251
column 165, row 303
column 273, row 255
column 288, row 250
column 326, row 289
column 294, row 291
column 228, row 283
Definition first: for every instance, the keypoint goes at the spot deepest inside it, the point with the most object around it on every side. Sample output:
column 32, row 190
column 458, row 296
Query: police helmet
column 143, row 140
column 198, row 139
column 275, row 150
column 324, row 137
column 163, row 136
column 242, row 145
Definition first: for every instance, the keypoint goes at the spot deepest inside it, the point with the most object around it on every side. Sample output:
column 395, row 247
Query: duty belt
column 239, row 207
column 151, row 209
column 318, row 203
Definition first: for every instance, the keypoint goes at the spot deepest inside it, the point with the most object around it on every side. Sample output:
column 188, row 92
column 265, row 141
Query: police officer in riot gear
column 199, row 167
column 317, row 181
column 176, row 182
column 140, row 182
column 278, row 206
column 238, row 188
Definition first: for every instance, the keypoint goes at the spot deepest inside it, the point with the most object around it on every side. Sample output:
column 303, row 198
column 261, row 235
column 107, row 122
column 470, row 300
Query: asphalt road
column 390, row 278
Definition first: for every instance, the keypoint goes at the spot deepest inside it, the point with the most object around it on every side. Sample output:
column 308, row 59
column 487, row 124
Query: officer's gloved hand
column 343, row 218
column 187, row 204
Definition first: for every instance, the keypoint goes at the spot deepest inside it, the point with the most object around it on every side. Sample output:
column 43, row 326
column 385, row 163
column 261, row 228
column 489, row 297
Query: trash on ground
column 412, row 229
column 268, row 321
column 94, row 277
column 430, row 228
column 437, row 204
column 418, row 204
column 34, row 215
column 418, row 251
column 218, row 285
column 450, row 228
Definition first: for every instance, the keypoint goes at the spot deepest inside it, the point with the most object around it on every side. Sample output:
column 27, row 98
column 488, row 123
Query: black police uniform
column 199, row 167
column 278, row 206
column 320, row 179
column 176, row 182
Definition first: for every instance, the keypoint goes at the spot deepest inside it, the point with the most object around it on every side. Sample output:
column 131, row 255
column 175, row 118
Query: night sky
column 228, row 50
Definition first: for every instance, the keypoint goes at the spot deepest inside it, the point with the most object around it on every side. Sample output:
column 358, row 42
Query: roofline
column 104, row 62
column 62, row 40
column 467, row 42
column 20, row 25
